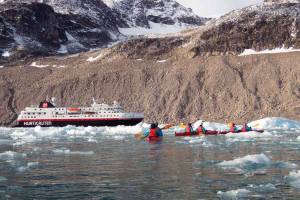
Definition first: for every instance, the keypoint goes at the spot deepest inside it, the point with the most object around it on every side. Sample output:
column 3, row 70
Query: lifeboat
column 74, row 110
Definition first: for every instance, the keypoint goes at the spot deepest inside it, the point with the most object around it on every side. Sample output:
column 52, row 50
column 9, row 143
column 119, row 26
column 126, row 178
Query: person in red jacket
column 154, row 132
column 233, row 128
column 201, row 130
column 189, row 129
column 246, row 128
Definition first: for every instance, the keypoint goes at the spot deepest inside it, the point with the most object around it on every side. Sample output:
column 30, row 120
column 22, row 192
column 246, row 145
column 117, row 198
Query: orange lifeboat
column 74, row 110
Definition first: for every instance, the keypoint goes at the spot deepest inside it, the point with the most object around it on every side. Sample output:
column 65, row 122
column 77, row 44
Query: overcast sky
column 213, row 8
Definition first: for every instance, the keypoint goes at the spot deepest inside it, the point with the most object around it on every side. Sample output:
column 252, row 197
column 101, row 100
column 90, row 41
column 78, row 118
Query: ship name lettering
column 45, row 123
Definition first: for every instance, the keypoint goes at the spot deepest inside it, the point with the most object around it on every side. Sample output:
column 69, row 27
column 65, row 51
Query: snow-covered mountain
column 154, row 16
column 68, row 26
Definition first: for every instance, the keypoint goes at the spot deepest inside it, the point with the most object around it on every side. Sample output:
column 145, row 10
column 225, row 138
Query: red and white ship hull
column 78, row 122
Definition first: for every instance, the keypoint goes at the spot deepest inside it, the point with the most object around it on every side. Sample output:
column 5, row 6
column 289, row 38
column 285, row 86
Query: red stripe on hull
column 77, row 120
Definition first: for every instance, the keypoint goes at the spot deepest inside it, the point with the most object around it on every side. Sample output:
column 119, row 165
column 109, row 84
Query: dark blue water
column 101, row 164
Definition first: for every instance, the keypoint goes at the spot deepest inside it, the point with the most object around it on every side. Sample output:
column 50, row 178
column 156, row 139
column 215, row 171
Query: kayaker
column 153, row 132
column 246, row 128
column 189, row 129
column 201, row 130
column 233, row 128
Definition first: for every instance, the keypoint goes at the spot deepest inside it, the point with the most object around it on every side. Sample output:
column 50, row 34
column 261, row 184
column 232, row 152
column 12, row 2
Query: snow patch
column 268, row 51
column 6, row 54
column 93, row 59
column 161, row 61
column 155, row 28
column 234, row 194
column 62, row 50
column 38, row 66
column 1, row 66
column 58, row 66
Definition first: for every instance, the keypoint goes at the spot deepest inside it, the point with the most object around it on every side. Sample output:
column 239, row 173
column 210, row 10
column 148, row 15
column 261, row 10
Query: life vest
column 153, row 133
column 188, row 130
column 200, row 130
column 244, row 129
column 233, row 129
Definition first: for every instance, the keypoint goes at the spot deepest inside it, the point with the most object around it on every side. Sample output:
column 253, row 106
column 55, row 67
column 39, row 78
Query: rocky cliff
column 258, row 27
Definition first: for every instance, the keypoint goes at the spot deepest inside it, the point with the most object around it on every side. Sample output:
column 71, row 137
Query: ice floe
column 275, row 123
column 27, row 166
column 65, row 151
column 249, row 160
column 234, row 194
column 266, row 123
column 294, row 179
column 11, row 155
column 249, row 136
column 262, row 188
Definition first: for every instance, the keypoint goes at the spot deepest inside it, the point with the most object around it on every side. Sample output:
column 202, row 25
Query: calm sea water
column 72, row 163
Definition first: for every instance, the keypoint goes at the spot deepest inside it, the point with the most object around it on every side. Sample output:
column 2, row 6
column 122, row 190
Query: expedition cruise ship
column 47, row 114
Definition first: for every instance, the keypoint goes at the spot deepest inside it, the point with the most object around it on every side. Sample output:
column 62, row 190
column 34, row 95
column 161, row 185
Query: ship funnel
column 53, row 99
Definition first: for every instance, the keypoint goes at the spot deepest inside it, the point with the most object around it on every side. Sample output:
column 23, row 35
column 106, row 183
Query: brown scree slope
column 167, row 89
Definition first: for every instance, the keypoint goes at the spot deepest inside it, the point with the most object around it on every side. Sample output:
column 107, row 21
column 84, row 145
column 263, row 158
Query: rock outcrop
column 258, row 27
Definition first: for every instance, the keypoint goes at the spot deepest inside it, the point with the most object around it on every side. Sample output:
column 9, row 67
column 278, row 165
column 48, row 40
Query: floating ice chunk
column 93, row 59
column 210, row 125
column 247, row 160
column 294, row 179
column 234, row 194
column 275, row 123
column 38, row 66
column 298, row 138
column 6, row 54
column 268, row 188
column 28, row 166
column 65, row 151
column 237, row 137
column 2, row 178
column 11, row 155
